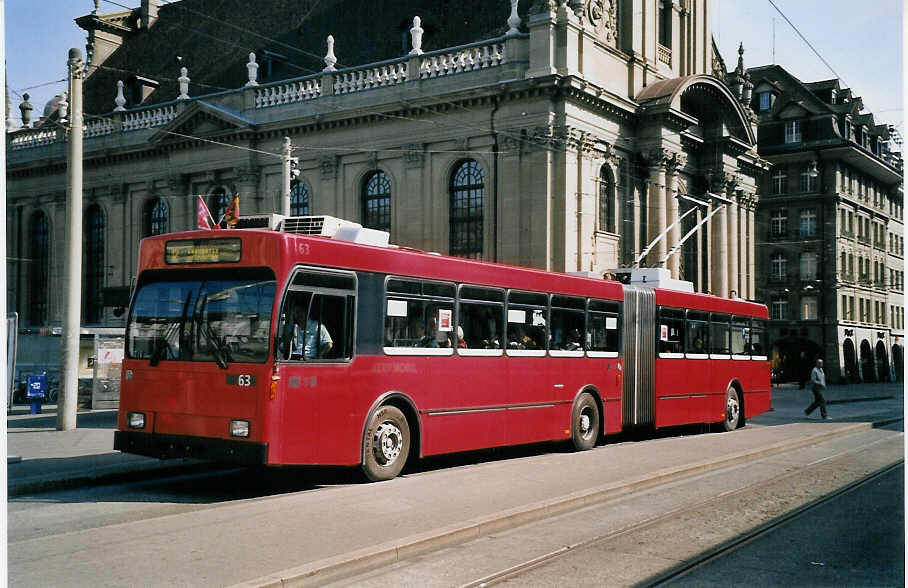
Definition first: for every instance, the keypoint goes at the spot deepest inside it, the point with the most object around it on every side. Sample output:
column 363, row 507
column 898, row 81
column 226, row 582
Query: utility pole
column 286, row 154
column 72, row 281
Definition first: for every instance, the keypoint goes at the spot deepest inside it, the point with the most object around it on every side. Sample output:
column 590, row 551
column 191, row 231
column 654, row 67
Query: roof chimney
column 149, row 13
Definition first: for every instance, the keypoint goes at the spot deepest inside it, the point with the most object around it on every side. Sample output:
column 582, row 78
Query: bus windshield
column 219, row 316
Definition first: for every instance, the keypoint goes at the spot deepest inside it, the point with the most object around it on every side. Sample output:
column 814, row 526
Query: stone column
column 733, row 266
column 672, row 214
column 719, row 248
column 751, row 250
column 657, row 211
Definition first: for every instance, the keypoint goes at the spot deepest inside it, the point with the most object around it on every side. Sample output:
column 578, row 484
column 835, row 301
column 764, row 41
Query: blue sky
column 863, row 46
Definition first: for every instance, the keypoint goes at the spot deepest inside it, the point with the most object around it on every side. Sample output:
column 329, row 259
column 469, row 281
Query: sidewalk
column 41, row 458
column 52, row 459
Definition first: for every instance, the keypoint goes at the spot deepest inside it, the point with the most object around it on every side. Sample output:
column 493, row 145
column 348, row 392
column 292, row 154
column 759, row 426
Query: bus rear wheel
column 387, row 444
column 585, row 423
column 732, row 410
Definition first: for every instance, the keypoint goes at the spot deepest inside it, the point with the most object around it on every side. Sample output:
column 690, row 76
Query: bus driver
column 304, row 343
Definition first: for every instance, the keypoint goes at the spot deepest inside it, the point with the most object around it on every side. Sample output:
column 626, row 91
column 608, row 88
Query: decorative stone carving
column 513, row 19
column 120, row 100
column 245, row 175
column 252, row 70
column 416, row 32
column 373, row 159
column 183, row 80
column 603, row 16
column 415, row 154
column 25, row 108
column 330, row 59
column 543, row 7
column 328, row 165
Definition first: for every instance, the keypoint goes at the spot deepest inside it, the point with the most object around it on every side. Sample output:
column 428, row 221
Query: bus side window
column 527, row 320
column 602, row 325
column 567, row 323
column 671, row 330
column 419, row 314
column 719, row 333
column 740, row 335
column 697, row 332
column 318, row 325
column 480, row 316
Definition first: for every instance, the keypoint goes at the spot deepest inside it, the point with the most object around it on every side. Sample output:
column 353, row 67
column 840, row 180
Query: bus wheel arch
column 587, row 418
column 391, row 436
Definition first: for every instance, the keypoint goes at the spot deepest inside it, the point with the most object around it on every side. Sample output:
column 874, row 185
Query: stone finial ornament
column 26, row 109
column 330, row 59
column 514, row 19
column 120, row 100
column 183, row 80
column 416, row 32
column 63, row 107
column 252, row 68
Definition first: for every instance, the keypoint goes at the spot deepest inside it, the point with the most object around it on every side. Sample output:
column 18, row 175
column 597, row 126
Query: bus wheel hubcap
column 585, row 423
column 388, row 440
column 731, row 411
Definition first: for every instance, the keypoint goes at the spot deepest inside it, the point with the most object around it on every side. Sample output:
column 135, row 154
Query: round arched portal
column 882, row 362
column 898, row 362
column 867, row 367
column 793, row 358
column 849, row 355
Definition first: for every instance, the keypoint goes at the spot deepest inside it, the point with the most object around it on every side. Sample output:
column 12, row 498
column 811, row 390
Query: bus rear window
column 218, row 316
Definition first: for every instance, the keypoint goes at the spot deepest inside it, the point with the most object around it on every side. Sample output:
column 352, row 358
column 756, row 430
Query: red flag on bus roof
column 203, row 217
column 232, row 214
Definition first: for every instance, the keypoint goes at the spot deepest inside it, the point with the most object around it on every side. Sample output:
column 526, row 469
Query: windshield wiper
column 221, row 352
column 162, row 345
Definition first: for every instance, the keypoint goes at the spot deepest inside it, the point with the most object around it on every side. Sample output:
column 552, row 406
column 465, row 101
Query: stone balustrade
column 368, row 77
column 410, row 68
column 149, row 118
column 461, row 59
column 290, row 92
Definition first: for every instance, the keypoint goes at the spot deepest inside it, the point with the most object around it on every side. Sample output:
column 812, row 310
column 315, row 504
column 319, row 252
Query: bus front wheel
column 387, row 444
column 585, row 423
column 732, row 410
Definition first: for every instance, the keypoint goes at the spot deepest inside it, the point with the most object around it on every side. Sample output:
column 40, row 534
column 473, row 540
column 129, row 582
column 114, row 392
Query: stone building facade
column 564, row 135
column 831, row 218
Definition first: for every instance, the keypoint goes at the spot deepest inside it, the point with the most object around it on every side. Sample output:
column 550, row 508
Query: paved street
column 192, row 525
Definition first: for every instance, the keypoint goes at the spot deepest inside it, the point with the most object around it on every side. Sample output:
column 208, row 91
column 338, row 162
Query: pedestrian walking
column 818, row 386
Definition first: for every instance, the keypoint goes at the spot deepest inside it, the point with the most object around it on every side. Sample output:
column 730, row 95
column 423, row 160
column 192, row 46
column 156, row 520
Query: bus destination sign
column 202, row 251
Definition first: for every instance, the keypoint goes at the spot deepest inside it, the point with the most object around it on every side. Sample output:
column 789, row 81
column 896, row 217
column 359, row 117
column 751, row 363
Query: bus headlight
column 136, row 420
column 239, row 428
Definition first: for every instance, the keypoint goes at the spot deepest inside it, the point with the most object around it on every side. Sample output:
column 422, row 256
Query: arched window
column 38, row 269
column 217, row 204
column 93, row 292
column 377, row 201
column 467, row 191
column 155, row 217
column 608, row 204
column 299, row 199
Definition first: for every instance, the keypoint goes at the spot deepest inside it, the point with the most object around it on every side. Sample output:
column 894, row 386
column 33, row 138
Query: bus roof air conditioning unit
column 259, row 221
column 651, row 277
column 334, row 228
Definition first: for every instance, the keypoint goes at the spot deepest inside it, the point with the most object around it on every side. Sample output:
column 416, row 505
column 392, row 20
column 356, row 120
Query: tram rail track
column 515, row 572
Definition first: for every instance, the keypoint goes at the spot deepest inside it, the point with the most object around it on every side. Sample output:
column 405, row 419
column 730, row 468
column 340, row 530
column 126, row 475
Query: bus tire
column 387, row 444
column 732, row 410
column 585, row 422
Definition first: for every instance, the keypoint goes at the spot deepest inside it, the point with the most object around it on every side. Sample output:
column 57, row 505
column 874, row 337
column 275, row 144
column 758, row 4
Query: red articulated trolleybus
column 260, row 346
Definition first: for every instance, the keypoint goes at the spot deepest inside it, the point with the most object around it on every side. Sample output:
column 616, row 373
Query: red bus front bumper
column 208, row 448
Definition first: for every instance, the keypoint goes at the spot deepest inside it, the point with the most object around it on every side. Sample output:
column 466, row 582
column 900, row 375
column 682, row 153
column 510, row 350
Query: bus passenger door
column 314, row 349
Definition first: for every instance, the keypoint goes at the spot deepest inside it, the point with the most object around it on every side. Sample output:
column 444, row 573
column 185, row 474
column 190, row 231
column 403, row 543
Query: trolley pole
column 69, row 392
column 286, row 154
